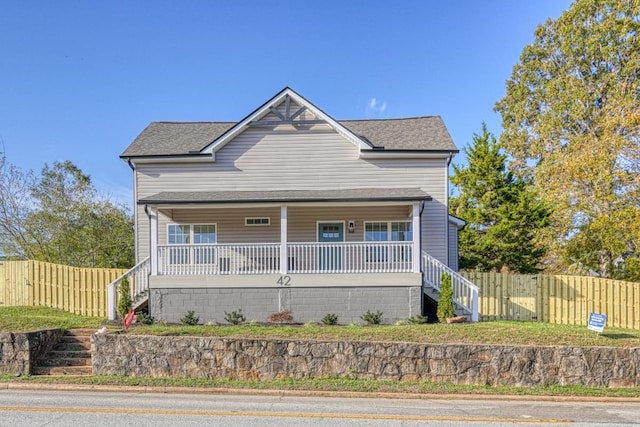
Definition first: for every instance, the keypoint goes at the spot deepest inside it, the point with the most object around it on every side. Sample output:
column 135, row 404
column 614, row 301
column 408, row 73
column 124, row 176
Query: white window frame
column 376, row 255
column 389, row 230
column 191, row 233
column 189, row 256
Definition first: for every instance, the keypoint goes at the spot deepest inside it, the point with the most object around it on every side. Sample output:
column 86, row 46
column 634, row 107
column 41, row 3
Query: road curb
column 303, row 393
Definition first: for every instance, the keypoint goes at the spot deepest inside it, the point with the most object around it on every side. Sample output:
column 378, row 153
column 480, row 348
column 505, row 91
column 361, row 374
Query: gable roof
column 197, row 138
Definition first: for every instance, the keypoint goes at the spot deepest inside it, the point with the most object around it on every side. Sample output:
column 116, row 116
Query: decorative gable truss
column 287, row 108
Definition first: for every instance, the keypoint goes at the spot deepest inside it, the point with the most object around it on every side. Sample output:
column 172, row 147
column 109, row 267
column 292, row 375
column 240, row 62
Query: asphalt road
column 53, row 408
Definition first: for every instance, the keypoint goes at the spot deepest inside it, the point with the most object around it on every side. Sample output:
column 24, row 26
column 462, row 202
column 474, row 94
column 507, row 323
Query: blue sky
column 80, row 79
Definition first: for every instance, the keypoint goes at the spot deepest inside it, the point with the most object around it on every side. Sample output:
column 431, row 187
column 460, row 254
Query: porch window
column 387, row 231
column 191, row 241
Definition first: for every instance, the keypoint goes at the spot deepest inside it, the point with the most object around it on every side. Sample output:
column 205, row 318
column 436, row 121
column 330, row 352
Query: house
column 291, row 209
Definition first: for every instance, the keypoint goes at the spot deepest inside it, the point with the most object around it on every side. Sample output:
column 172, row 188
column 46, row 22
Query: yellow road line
column 275, row 414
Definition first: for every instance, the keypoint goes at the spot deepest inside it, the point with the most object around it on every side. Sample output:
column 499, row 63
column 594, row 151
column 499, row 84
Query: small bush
column 235, row 317
column 417, row 320
column 330, row 319
column 372, row 318
column 124, row 301
column 283, row 316
column 445, row 302
column 145, row 318
column 190, row 318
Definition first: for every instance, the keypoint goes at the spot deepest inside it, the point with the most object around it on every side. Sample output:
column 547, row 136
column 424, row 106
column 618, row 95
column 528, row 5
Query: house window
column 257, row 221
column 387, row 231
column 194, row 241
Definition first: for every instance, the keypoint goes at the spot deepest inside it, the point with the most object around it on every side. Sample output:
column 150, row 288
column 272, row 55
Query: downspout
column 422, row 313
column 446, row 214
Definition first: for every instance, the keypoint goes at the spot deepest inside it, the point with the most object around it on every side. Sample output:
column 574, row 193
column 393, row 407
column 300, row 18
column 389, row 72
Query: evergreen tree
column 503, row 214
column 445, row 302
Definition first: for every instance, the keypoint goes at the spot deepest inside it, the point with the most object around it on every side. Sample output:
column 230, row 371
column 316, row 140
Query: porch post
column 417, row 232
column 284, row 259
column 153, row 240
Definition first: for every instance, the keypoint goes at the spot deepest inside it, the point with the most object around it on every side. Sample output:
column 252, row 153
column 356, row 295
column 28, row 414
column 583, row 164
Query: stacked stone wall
column 20, row 350
column 265, row 359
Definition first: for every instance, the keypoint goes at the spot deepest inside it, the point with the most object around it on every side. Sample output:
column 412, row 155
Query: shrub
column 417, row 320
column 235, row 317
column 145, row 318
column 372, row 318
column 190, row 318
column 330, row 319
column 124, row 301
column 283, row 316
column 445, row 302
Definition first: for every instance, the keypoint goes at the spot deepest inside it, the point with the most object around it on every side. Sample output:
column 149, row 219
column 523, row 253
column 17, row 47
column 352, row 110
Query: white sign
column 597, row 321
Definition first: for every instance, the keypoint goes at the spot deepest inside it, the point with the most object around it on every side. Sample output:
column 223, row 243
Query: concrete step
column 70, row 356
column 65, row 361
column 62, row 370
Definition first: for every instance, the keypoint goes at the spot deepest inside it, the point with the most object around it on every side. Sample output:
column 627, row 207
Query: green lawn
column 497, row 332
column 23, row 319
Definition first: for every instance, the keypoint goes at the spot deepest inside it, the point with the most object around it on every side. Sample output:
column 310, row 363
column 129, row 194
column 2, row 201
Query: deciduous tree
column 571, row 119
column 59, row 217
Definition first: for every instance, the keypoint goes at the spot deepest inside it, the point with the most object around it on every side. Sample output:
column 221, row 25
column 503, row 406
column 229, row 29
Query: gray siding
column 288, row 159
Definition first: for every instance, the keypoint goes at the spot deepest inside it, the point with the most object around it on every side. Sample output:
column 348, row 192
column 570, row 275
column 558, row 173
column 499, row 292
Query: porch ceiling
column 288, row 196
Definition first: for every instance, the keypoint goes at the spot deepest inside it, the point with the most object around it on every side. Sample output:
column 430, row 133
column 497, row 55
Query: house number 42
column 284, row 281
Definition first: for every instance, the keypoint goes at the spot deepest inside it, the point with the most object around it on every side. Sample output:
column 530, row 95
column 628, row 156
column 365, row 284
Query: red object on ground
column 129, row 318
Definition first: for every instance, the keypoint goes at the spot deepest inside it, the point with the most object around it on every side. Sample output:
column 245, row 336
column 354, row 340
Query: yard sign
column 597, row 321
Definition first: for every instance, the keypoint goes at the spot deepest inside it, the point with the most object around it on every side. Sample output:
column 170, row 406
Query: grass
column 25, row 319
column 18, row 319
column 332, row 385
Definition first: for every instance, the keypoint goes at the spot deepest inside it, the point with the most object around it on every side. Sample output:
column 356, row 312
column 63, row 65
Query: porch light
column 351, row 226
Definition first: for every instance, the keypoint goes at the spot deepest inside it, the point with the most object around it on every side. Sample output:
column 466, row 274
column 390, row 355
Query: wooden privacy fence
column 77, row 290
column 556, row 299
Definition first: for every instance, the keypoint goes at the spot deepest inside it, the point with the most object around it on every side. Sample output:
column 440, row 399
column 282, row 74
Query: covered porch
column 366, row 231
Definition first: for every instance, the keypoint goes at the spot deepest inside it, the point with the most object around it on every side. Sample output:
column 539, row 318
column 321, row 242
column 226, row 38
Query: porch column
column 284, row 258
column 417, row 232
column 153, row 240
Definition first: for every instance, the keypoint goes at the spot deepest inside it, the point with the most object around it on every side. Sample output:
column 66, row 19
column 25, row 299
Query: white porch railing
column 264, row 258
column 234, row 259
column 465, row 293
column 361, row 257
column 138, row 278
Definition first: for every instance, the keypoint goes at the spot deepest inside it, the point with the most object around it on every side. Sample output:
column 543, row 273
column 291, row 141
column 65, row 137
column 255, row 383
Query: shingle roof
column 357, row 194
column 417, row 133
column 182, row 138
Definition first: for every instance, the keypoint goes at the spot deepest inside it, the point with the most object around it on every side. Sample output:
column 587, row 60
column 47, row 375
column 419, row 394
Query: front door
column 330, row 256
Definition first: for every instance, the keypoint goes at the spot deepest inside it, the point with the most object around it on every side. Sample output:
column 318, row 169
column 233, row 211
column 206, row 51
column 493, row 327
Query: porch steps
column 70, row 356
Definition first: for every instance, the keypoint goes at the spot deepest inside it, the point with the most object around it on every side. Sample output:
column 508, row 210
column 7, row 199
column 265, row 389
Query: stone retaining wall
column 264, row 359
column 20, row 350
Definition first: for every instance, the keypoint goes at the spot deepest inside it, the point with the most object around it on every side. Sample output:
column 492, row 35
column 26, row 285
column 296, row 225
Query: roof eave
column 403, row 154
column 170, row 158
